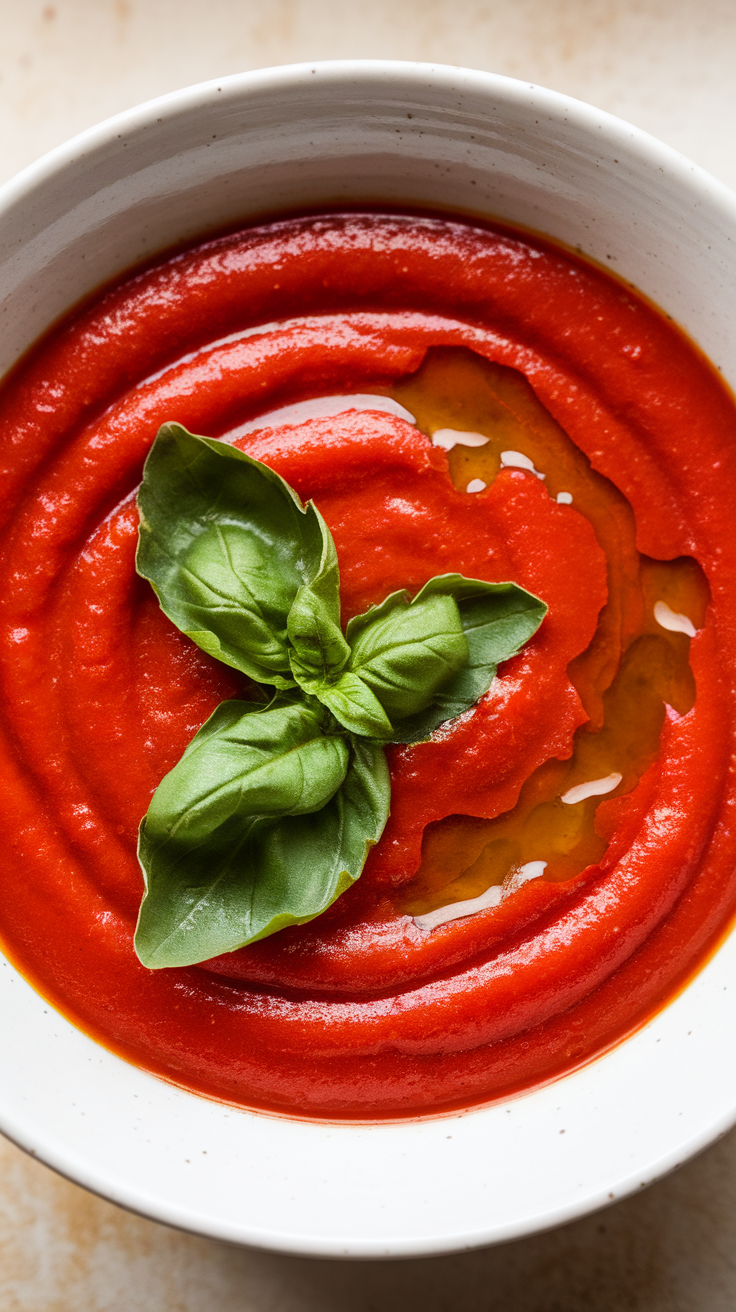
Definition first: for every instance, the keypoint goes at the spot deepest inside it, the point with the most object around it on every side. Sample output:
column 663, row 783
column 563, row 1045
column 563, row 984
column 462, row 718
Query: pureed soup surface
column 583, row 449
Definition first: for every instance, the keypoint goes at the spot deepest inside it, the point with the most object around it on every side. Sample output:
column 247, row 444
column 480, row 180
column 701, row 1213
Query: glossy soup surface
column 582, row 448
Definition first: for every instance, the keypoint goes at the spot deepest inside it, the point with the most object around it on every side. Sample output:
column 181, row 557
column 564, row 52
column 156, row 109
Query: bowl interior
column 294, row 139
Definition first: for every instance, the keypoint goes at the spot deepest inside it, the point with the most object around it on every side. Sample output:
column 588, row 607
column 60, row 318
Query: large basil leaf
column 405, row 651
column 258, row 875
column 244, row 763
column 497, row 620
column 247, row 760
column 227, row 545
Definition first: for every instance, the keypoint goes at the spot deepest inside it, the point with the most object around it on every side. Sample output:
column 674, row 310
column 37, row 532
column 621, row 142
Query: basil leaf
column 497, row 620
column 405, row 651
column 312, row 859
column 263, row 874
column 359, row 623
column 227, row 545
column 244, row 764
column 355, row 706
column 246, row 760
column 319, row 650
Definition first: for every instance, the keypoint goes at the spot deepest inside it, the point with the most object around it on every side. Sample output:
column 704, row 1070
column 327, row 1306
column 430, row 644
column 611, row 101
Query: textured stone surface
column 671, row 1248
column 670, row 67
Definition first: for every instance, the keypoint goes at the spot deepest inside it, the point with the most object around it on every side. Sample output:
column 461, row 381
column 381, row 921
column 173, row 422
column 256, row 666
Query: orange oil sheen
column 632, row 669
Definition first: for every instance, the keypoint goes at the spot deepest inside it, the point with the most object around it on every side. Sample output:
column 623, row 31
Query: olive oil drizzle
column 632, row 669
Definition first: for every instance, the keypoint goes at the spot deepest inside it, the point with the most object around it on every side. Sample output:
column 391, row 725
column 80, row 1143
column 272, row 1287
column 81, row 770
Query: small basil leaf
column 359, row 623
column 406, row 651
column 243, row 764
column 263, row 874
column 319, row 650
column 226, row 545
column 497, row 619
column 355, row 706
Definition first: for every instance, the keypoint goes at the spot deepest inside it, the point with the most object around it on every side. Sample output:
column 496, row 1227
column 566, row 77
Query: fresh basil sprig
column 271, row 812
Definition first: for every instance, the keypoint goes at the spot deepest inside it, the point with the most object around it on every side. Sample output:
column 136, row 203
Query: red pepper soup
column 559, row 858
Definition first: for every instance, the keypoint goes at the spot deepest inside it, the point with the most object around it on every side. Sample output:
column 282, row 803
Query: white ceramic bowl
column 294, row 138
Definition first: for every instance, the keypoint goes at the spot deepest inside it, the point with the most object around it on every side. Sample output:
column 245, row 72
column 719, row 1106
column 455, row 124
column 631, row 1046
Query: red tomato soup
column 560, row 858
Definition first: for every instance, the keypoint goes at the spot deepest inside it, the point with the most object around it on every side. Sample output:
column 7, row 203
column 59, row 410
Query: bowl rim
column 346, row 71
column 342, row 73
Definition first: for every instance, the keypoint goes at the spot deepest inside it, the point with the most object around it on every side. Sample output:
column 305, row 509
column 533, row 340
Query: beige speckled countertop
column 670, row 67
